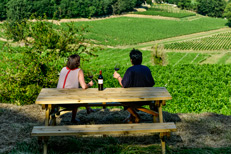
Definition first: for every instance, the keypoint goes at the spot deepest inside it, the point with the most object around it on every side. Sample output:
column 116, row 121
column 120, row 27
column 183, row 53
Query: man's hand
column 116, row 75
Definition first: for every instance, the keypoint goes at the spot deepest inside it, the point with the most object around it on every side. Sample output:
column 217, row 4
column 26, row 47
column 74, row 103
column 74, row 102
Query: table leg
column 47, row 114
column 155, row 107
column 160, row 113
column 162, row 135
column 163, row 145
column 104, row 107
column 45, row 140
column 53, row 117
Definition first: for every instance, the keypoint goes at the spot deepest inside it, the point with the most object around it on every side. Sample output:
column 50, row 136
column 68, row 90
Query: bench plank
column 108, row 129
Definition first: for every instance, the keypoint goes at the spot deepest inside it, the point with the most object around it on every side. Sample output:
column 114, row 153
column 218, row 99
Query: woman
column 72, row 76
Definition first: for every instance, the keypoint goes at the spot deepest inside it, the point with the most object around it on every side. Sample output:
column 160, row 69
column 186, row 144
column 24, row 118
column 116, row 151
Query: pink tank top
column 68, row 78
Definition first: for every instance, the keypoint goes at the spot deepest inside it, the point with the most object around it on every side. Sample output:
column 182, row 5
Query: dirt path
column 193, row 130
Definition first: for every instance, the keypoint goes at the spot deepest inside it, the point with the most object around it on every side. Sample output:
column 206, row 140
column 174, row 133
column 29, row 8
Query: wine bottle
column 100, row 81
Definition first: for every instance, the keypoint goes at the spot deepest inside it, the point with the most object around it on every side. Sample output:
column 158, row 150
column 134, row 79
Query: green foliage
column 165, row 13
column 184, row 4
column 227, row 13
column 159, row 56
column 123, row 6
column 149, row 2
column 3, row 9
column 213, row 8
column 176, row 58
column 15, row 30
column 220, row 41
column 39, row 62
column 115, row 31
column 139, row 2
column 17, row 10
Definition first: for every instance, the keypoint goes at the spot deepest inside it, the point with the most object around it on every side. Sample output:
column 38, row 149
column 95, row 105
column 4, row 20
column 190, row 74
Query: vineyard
column 220, row 41
column 130, row 31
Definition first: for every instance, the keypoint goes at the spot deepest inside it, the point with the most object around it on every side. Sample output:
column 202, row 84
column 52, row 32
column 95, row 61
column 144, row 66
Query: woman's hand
column 116, row 75
column 91, row 83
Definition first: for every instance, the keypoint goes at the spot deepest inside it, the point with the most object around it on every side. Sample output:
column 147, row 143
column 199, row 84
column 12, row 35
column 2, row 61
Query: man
column 136, row 76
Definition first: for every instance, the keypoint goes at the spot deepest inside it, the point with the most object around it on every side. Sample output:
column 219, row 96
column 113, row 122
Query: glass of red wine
column 117, row 67
column 90, row 75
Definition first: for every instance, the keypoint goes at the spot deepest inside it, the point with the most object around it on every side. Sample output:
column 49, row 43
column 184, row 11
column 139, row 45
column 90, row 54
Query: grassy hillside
column 127, row 30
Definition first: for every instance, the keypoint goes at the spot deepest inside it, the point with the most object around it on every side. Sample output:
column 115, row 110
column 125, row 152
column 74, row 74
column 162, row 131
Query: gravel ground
column 193, row 130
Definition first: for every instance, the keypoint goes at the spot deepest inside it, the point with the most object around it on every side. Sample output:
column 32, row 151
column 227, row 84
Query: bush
column 159, row 57
column 38, row 63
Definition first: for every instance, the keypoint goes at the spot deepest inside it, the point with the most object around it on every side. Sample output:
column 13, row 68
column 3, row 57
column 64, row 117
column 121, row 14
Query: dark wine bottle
column 100, row 81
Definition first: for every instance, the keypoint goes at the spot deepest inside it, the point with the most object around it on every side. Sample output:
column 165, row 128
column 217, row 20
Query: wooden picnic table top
column 92, row 95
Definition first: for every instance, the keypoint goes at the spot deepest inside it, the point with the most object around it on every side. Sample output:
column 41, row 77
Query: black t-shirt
column 138, row 76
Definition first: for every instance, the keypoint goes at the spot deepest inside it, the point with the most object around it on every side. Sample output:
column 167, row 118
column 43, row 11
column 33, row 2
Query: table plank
column 72, row 96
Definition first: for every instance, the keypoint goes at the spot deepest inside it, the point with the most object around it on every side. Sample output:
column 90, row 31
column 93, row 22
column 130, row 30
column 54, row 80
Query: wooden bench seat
column 105, row 129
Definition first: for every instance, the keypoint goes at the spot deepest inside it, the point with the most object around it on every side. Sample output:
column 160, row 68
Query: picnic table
column 50, row 98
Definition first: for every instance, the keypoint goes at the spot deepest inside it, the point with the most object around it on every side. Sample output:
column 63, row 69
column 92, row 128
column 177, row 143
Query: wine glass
column 90, row 75
column 117, row 67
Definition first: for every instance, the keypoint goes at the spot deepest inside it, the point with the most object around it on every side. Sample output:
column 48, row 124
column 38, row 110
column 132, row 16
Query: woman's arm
column 82, row 81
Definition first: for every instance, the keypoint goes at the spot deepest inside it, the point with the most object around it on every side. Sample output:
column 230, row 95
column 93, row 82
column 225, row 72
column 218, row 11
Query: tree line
column 212, row 8
column 19, row 9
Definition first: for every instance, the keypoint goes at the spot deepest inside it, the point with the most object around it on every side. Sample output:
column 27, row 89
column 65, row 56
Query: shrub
column 38, row 63
column 159, row 57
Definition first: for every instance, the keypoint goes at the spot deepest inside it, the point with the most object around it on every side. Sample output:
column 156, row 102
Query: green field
column 220, row 41
column 166, row 13
column 109, row 57
column 130, row 31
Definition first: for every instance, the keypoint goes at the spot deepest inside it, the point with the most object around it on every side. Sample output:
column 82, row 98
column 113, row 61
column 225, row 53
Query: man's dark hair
column 136, row 57
column 73, row 61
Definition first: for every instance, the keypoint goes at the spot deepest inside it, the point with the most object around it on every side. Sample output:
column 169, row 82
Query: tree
column 213, row 8
column 3, row 9
column 184, row 4
column 227, row 13
column 17, row 10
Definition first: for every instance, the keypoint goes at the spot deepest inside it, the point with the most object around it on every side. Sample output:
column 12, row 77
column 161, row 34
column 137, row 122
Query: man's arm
column 118, row 77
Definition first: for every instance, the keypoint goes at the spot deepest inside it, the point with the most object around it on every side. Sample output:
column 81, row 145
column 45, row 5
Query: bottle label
column 100, row 81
